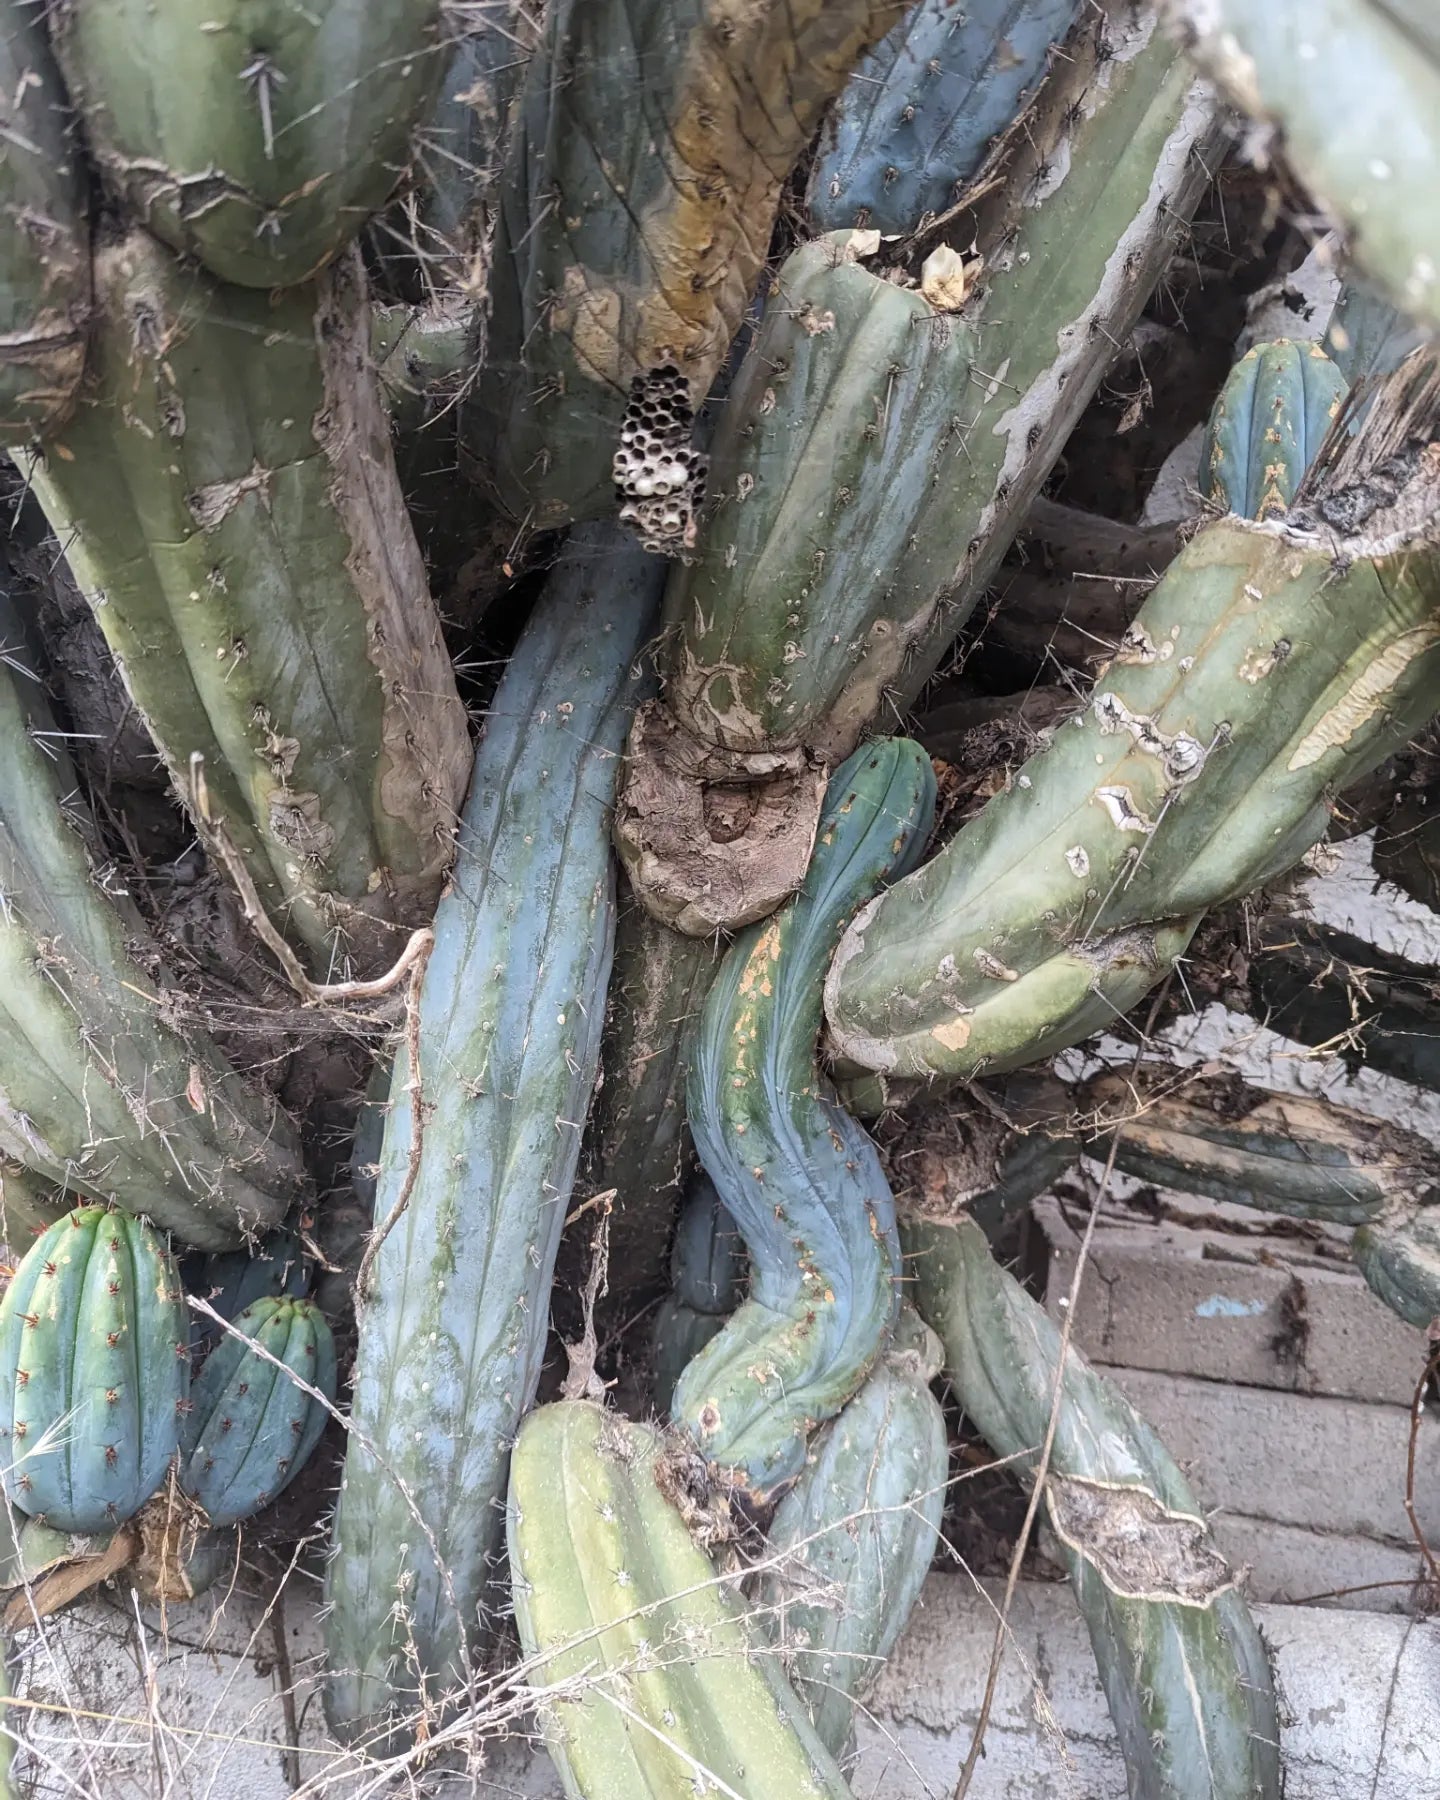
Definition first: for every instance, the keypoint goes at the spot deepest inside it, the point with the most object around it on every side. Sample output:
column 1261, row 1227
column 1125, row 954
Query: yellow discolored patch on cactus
column 1364, row 698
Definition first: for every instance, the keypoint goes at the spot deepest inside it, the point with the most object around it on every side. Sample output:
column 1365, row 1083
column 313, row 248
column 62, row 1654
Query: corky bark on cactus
column 226, row 496
column 877, row 453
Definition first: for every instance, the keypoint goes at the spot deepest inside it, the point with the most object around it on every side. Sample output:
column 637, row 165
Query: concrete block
column 1260, row 1312
column 1299, row 1459
column 1360, row 1703
column 1297, row 1566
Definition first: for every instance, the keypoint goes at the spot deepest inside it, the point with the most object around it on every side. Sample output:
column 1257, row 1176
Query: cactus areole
column 94, row 1371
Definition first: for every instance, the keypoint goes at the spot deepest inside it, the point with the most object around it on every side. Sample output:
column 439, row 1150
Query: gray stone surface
column 1260, row 1311
column 1332, row 1465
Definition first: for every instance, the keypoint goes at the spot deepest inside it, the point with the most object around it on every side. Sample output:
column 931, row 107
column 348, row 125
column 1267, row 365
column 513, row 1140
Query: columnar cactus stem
column 914, row 122
column 1183, row 1667
column 707, row 1283
column 1267, row 427
column 255, row 134
column 870, row 469
column 852, row 1542
column 1353, row 87
column 101, row 1089
column 454, row 1329
column 796, row 1173
column 226, row 496
column 635, row 218
column 653, row 1682
column 1275, row 663
column 44, row 245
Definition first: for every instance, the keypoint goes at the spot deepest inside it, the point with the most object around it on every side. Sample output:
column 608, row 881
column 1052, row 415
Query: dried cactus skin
column 254, row 134
column 1183, row 1667
column 610, row 1586
column 798, row 1176
column 1326, row 988
column 637, row 1140
column 707, row 1282
column 250, row 1430
column 1267, row 425
column 452, row 1336
column 1262, row 674
column 635, row 219
column 915, row 120
column 45, row 258
column 99, row 1092
column 852, row 1542
column 94, row 1345
column 1399, row 1256
column 865, row 433
column 1282, row 1153
column 227, row 496
column 1354, row 87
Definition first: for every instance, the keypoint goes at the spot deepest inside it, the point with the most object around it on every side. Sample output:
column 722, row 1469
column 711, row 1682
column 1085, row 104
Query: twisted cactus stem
column 1275, row 663
column 914, row 122
column 453, row 1333
column 648, row 1676
column 1282, row 1153
column 796, row 1173
column 852, row 1542
column 634, row 220
column 44, row 246
column 1183, row 1667
column 227, row 499
column 880, row 447
column 103, row 1089
column 254, row 134
column 1352, row 88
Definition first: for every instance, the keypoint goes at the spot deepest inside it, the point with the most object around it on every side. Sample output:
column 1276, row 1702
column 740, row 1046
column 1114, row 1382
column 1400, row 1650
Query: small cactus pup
column 635, row 218
column 1276, row 663
column 250, row 1428
column 45, row 243
column 1353, row 90
column 796, row 1173
column 1283, row 1153
column 852, row 1542
column 653, row 1682
column 1183, row 1666
column 454, row 1313
column 231, row 1280
column 707, row 1283
column 94, row 1371
column 868, row 473
column 256, row 135
column 227, row 499
column 914, row 122
column 1267, row 426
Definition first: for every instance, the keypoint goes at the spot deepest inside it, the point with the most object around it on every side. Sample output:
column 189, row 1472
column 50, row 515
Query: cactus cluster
column 533, row 533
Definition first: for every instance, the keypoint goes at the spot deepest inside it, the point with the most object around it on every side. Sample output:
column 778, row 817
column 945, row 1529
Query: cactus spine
column 452, row 1336
column 98, row 1092
column 1182, row 1664
column 670, row 1693
column 229, row 503
column 868, row 475
column 852, row 1542
column 1267, row 426
column 45, row 250
column 914, row 123
column 799, row 1177
column 250, row 1430
column 253, row 134
column 1259, row 676
column 94, row 1370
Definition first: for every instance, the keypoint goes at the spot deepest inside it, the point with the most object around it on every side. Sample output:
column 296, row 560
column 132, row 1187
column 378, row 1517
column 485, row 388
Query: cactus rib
column 1183, row 1667
column 452, row 1337
column 799, row 1177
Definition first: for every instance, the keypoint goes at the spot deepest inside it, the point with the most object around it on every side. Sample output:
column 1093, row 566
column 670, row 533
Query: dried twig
column 417, row 1128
